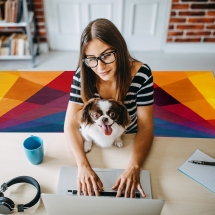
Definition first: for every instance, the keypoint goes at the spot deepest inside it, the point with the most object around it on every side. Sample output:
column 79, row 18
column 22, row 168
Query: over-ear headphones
column 7, row 205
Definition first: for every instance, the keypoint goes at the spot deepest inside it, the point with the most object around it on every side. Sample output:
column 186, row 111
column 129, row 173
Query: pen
column 202, row 162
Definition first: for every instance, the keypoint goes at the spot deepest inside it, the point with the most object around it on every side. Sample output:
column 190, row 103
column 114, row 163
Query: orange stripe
column 40, row 77
column 202, row 108
column 7, row 105
column 165, row 78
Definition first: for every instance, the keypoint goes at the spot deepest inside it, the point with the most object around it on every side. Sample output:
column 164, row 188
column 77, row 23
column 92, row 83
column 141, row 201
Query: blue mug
column 34, row 151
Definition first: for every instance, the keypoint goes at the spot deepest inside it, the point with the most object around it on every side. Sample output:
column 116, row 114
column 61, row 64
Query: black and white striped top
column 140, row 93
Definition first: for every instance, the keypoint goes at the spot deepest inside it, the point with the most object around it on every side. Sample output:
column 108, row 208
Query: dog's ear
column 124, row 118
column 86, row 118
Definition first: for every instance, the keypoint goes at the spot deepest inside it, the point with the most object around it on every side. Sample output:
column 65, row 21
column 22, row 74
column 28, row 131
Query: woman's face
column 96, row 48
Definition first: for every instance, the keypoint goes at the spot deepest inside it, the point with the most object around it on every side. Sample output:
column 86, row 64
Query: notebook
column 66, row 201
column 204, row 174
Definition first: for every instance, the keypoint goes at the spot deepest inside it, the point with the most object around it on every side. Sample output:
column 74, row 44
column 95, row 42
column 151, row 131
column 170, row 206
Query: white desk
column 182, row 195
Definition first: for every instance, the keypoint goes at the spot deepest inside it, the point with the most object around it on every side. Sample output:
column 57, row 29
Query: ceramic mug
column 33, row 147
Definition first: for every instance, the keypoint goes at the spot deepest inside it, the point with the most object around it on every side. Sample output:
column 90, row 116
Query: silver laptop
column 67, row 202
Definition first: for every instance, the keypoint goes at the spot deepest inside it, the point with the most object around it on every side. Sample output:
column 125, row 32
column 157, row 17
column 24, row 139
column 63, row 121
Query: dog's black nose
column 104, row 119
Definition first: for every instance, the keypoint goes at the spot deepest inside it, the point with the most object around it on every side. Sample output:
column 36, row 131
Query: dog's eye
column 96, row 115
column 112, row 114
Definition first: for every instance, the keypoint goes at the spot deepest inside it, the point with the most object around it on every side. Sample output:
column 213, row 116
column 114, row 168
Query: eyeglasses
column 106, row 58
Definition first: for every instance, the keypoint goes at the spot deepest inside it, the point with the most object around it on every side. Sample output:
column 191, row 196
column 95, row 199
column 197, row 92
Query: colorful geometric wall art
column 184, row 104
column 32, row 101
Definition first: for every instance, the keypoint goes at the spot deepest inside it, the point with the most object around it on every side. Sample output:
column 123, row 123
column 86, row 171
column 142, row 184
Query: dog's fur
column 103, row 122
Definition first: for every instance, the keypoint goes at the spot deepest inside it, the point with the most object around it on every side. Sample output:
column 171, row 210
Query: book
column 203, row 174
column 7, row 11
column 5, row 46
column 19, row 10
column 27, row 47
column 13, row 10
column 2, row 6
column 1, row 43
column 21, row 44
column 12, row 44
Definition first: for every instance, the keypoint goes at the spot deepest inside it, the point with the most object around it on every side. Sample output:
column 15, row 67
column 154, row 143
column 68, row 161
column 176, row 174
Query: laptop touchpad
column 108, row 178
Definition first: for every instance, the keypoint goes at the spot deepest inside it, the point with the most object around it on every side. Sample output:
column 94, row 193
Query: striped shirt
column 140, row 93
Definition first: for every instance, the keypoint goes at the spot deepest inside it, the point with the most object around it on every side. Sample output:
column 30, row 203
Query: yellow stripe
column 205, row 83
column 6, row 82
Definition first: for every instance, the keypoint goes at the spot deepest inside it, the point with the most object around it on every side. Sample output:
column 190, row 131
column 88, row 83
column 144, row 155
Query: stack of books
column 13, row 10
column 14, row 45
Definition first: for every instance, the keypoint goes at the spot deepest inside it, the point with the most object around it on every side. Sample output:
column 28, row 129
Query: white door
column 143, row 23
column 66, row 19
column 146, row 24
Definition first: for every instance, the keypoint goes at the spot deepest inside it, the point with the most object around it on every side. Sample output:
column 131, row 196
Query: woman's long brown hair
column 107, row 32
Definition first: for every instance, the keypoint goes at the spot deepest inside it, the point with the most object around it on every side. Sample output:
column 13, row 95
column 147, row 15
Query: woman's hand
column 88, row 182
column 128, row 181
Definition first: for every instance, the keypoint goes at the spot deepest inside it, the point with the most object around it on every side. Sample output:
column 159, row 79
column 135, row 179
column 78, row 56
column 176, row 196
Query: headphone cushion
column 8, row 202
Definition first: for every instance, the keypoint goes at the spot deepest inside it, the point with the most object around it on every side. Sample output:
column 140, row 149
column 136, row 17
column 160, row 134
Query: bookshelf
column 27, row 22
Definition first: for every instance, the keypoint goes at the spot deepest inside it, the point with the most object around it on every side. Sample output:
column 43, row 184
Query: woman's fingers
column 128, row 186
column 90, row 185
column 89, row 188
column 79, row 188
column 128, row 190
column 96, row 187
column 84, row 188
column 133, row 189
column 139, row 187
column 116, row 184
column 121, row 187
column 99, row 184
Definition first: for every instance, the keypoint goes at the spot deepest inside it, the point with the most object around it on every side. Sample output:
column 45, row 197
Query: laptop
column 67, row 202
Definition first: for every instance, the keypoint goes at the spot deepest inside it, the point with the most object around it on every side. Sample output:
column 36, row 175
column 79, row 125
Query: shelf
column 20, row 24
column 24, row 57
column 26, row 22
column 12, row 24
column 6, row 57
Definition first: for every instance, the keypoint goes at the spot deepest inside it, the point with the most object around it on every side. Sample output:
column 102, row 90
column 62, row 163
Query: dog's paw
column 87, row 146
column 118, row 144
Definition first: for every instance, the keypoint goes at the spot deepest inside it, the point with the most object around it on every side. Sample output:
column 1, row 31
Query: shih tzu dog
column 103, row 122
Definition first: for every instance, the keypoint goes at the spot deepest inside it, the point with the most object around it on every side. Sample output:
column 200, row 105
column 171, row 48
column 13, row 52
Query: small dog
column 103, row 122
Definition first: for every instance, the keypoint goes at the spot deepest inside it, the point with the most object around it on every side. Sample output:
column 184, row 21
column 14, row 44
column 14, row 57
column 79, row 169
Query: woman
column 108, row 71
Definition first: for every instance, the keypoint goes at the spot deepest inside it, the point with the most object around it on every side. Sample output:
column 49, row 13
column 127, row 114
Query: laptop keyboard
column 103, row 193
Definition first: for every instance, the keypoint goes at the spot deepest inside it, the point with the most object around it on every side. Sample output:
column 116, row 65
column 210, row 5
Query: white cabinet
column 143, row 23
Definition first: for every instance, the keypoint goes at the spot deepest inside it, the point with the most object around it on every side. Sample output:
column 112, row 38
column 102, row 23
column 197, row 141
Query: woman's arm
column 130, row 178
column 87, row 178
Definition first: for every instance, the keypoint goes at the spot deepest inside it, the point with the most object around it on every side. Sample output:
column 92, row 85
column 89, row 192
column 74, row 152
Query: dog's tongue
column 107, row 130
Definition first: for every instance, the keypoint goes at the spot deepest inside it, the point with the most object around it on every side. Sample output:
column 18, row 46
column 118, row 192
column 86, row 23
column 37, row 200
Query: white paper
column 204, row 174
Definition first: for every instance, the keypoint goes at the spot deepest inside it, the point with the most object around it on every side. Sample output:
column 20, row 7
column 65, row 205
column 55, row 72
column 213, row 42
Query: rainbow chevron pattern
column 184, row 104
column 36, row 102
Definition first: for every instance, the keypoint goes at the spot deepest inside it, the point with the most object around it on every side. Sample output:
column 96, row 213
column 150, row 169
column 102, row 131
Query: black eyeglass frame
column 99, row 58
